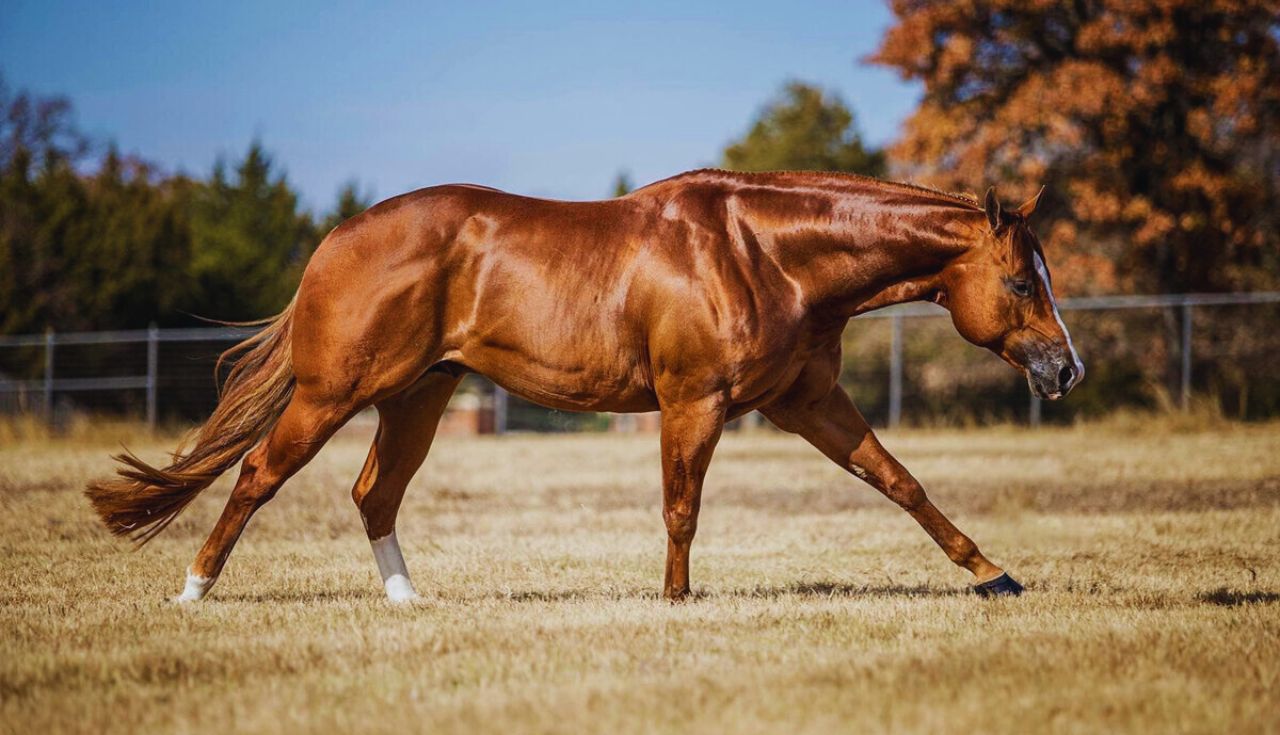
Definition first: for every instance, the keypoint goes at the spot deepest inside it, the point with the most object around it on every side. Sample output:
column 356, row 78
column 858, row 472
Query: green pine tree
column 351, row 201
column 622, row 184
column 807, row 129
column 249, row 240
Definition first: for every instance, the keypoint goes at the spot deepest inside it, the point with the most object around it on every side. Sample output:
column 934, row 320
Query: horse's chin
column 1041, row 392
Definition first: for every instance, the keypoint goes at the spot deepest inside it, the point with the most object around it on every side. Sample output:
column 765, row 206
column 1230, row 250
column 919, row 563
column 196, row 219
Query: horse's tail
column 144, row 499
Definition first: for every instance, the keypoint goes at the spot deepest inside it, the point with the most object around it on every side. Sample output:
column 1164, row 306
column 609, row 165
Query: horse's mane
column 839, row 176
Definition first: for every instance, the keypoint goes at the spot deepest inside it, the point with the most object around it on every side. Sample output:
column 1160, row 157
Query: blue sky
column 549, row 99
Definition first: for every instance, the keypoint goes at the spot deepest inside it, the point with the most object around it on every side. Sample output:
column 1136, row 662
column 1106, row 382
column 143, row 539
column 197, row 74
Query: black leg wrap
column 1002, row 586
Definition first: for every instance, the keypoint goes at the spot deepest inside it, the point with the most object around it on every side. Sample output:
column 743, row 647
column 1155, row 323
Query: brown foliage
column 1156, row 124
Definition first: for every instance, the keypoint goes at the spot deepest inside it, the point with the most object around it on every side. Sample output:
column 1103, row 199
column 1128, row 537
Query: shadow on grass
column 1230, row 598
column 573, row 595
column 1222, row 596
column 800, row 589
column 835, row 589
column 344, row 595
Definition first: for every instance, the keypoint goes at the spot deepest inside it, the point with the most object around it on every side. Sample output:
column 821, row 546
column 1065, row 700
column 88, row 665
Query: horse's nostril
column 1065, row 376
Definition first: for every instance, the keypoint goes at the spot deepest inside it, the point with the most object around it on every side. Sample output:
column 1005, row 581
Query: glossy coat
column 705, row 296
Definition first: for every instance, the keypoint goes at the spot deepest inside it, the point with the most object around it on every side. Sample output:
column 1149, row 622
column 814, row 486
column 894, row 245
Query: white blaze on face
column 395, row 575
column 1043, row 272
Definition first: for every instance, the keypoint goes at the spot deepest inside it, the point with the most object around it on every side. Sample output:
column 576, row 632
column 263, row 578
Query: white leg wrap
column 395, row 575
column 195, row 589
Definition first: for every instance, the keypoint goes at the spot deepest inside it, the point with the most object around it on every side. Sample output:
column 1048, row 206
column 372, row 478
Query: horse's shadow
column 810, row 590
column 799, row 589
column 1224, row 597
column 301, row 596
column 838, row 589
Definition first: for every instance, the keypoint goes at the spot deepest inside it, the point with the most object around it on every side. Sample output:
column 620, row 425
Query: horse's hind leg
column 406, row 426
column 302, row 429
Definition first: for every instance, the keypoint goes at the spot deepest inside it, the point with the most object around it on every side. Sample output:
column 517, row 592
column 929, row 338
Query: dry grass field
column 1151, row 551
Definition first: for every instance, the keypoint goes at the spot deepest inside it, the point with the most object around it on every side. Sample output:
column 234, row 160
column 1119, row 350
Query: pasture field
column 1150, row 549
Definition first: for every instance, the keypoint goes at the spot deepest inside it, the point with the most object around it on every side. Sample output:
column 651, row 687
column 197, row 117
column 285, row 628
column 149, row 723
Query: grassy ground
column 1150, row 553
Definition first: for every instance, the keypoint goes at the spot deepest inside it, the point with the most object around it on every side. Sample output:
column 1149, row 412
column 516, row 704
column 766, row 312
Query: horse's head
column 1000, row 297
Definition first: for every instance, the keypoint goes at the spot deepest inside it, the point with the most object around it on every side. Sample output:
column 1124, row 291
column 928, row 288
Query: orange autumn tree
column 1154, row 123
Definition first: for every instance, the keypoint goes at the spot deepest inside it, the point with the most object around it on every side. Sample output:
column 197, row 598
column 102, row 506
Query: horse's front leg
column 690, row 431
column 836, row 427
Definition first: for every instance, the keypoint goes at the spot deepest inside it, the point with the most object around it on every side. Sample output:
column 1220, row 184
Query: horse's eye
column 1021, row 288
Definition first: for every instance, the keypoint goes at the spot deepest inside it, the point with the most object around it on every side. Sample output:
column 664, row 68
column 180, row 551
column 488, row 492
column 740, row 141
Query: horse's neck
column 870, row 249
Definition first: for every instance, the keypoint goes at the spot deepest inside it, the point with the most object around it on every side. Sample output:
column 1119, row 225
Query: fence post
column 499, row 409
column 153, row 354
column 47, row 402
column 1186, row 354
column 1033, row 415
column 895, row 372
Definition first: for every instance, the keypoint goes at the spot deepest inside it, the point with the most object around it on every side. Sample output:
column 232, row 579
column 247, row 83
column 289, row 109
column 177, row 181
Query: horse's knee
column 681, row 525
column 906, row 491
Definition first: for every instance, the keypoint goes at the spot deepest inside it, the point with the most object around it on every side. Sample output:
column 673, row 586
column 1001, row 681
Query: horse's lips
column 1039, row 392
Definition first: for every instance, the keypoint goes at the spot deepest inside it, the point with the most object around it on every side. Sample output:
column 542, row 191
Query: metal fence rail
column 1184, row 302
column 48, row 384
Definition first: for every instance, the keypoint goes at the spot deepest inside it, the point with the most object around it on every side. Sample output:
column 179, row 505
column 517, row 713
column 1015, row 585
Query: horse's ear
column 992, row 207
column 1029, row 206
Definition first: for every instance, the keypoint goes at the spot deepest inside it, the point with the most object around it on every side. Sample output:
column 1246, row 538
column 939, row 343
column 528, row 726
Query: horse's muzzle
column 1053, row 378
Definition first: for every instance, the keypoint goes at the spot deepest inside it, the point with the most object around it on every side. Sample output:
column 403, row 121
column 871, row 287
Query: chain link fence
column 904, row 364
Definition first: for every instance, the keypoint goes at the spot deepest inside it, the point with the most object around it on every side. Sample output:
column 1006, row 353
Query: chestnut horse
column 704, row 296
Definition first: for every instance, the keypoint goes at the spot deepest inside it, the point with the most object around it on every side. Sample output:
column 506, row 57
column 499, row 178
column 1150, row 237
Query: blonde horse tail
column 142, row 500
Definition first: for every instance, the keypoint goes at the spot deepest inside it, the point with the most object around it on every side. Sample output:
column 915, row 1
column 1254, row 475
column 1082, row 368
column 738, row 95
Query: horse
column 704, row 296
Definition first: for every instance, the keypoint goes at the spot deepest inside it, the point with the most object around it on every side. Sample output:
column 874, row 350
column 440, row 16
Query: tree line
column 93, row 239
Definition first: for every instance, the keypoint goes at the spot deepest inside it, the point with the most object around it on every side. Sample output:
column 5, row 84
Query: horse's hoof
column 400, row 590
column 194, row 591
column 1002, row 586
